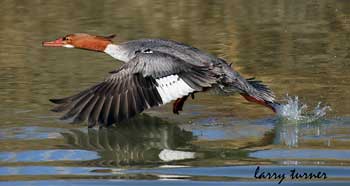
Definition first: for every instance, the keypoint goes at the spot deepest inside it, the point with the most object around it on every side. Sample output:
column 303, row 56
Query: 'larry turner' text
column 293, row 174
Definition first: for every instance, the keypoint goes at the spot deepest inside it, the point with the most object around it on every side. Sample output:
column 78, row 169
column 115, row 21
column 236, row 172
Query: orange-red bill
column 55, row 43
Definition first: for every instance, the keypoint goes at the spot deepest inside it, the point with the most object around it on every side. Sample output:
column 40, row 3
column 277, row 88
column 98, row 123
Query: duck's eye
column 65, row 38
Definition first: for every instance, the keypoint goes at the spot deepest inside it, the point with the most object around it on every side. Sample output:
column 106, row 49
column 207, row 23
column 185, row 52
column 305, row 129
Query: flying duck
column 155, row 72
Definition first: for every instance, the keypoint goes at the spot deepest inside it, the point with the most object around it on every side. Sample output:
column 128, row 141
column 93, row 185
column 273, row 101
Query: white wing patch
column 172, row 87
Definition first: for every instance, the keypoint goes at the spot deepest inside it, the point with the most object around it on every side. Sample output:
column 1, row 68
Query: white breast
column 172, row 87
column 117, row 52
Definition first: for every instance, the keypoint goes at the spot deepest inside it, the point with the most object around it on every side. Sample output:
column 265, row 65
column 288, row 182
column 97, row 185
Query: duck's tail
column 251, row 89
column 260, row 94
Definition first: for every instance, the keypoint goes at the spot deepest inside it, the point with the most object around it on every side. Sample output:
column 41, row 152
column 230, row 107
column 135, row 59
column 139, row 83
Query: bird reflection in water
column 139, row 141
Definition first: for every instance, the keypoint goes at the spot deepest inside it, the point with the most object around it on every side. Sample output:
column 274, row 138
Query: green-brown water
column 296, row 47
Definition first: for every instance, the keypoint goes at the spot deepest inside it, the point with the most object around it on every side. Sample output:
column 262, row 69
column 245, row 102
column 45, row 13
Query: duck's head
column 82, row 41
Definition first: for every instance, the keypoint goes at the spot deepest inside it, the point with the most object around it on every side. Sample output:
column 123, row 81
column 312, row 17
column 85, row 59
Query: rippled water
column 296, row 47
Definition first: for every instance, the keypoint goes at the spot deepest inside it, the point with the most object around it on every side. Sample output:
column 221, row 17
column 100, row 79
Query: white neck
column 117, row 52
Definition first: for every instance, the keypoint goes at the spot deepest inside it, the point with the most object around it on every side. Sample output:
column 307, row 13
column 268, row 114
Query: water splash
column 294, row 110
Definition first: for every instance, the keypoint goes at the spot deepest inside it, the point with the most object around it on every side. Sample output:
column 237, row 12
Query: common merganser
column 155, row 72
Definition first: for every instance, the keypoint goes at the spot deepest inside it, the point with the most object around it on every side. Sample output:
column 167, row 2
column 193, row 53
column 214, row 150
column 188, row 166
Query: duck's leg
column 178, row 104
column 268, row 104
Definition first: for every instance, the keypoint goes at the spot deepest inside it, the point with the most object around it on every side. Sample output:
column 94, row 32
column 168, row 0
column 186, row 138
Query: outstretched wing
column 148, row 80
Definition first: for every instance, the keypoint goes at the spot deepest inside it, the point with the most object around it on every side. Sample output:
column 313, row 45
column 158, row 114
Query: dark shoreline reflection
column 140, row 141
